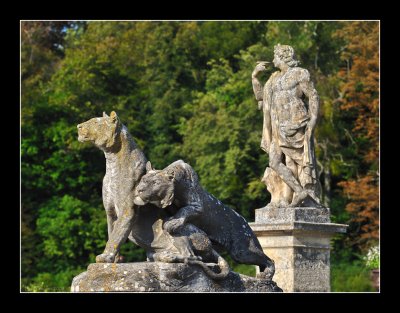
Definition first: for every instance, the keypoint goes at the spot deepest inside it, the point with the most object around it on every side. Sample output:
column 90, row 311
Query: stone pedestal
column 298, row 240
column 163, row 277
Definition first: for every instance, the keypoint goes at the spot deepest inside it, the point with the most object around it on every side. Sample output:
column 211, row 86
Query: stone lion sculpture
column 178, row 185
column 125, row 166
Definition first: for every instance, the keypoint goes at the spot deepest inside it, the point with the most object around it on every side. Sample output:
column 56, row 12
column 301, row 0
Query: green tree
column 73, row 231
column 42, row 48
column 221, row 139
column 360, row 99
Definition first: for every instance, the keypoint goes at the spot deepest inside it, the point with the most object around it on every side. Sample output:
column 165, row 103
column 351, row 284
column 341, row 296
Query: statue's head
column 102, row 131
column 285, row 53
column 155, row 187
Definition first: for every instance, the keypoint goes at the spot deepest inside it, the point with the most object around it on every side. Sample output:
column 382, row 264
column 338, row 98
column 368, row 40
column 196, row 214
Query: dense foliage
column 184, row 91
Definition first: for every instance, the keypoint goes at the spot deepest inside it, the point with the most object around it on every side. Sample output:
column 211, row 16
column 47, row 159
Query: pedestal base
column 298, row 240
column 163, row 277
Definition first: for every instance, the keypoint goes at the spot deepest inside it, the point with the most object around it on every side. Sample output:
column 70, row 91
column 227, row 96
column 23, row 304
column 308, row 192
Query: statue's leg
column 275, row 162
column 122, row 228
column 309, row 185
column 182, row 243
column 109, row 206
column 191, row 241
column 202, row 245
column 288, row 192
column 192, row 211
column 300, row 194
column 111, row 218
column 249, row 251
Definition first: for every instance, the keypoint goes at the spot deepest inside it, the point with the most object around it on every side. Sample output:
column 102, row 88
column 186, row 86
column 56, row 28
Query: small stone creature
column 178, row 184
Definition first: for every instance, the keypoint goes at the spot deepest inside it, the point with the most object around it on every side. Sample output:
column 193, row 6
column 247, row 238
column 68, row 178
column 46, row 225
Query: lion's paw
column 105, row 258
column 172, row 225
column 268, row 272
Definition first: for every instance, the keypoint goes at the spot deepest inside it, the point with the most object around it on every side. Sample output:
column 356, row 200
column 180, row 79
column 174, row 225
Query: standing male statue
column 289, row 123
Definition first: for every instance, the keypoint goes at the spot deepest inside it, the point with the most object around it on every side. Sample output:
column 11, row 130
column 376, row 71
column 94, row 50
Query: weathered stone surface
column 178, row 185
column 298, row 240
column 288, row 130
column 291, row 215
column 183, row 223
column 294, row 229
column 125, row 165
column 163, row 277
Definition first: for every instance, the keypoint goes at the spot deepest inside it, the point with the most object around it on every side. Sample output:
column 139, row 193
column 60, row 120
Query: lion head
column 102, row 131
column 155, row 187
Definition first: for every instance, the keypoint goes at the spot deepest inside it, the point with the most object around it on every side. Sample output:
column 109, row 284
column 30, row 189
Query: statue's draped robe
column 285, row 120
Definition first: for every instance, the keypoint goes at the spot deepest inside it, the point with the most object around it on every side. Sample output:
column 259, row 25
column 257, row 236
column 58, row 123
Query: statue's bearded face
column 276, row 60
column 284, row 54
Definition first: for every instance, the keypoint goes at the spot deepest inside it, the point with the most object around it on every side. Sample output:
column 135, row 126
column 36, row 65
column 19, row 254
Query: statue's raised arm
column 263, row 96
column 257, row 86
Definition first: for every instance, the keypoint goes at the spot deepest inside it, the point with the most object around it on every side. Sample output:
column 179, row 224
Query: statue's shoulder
column 177, row 164
column 274, row 74
column 272, row 77
column 301, row 74
column 182, row 170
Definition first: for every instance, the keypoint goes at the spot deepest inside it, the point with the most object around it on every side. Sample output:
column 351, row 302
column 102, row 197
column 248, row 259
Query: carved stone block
column 298, row 240
column 163, row 277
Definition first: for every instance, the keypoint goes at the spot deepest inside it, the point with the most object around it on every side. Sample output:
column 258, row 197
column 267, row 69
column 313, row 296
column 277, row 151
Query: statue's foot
column 271, row 206
column 283, row 204
column 314, row 197
column 269, row 270
column 298, row 198
column 267, row 274
column 105, row 258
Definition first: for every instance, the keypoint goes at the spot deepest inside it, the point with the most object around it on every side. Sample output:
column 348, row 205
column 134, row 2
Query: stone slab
column 291, row 215
column 298, row 227
column 162, row 277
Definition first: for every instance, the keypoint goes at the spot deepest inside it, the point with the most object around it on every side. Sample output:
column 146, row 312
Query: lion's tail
column 223, row 265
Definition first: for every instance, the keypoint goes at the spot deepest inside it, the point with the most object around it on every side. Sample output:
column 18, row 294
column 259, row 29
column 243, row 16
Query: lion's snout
column 82, row 132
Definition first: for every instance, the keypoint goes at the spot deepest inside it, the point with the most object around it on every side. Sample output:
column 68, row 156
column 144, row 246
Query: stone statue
column 181, row 229
column 143, row 225
column 178, row 185
column 287, row 135
column 125, row 165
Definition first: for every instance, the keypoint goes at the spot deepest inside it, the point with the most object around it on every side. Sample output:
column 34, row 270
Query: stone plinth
column 162, row 277
column 298, row 240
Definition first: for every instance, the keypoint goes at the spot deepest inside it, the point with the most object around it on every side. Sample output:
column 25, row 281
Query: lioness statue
column 125, row 165
column 178, row 184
